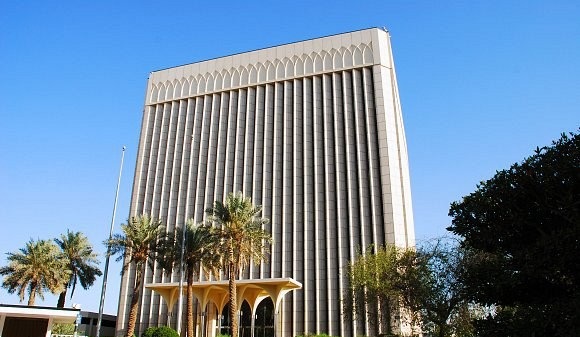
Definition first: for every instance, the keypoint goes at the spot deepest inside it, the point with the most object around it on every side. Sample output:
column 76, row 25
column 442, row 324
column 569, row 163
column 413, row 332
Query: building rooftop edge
column 36, row 307
column 269, row 47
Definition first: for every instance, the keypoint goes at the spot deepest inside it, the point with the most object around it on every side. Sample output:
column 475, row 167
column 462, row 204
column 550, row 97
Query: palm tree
column 200, row 252
column 242, row 240
column 37, row 267
column 138, row 245
column 81, row 260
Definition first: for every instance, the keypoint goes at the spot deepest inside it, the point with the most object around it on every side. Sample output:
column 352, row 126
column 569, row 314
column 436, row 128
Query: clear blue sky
column 482, row 84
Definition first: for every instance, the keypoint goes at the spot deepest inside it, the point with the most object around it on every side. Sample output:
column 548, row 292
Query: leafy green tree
column 63, row 329
column 81, row 261
column 242, row 240
column 521, row 231
column 200, row 252
column 34, row 269
column 138, row 246
column 430, row 287
column 417, row 286
column 373, row 294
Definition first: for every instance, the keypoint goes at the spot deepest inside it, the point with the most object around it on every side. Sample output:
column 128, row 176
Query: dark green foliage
column 429, row 285
column 373, row 293
column 34, row 269
column 424, row 282
column 162, row 331
column 521, row 231
column 81, row 261
column 149, row 331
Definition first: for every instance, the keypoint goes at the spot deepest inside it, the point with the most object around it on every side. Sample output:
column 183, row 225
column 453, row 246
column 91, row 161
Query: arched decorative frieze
column 154, row 94
column 235, row 77
column 160, row 92
column 252, row 75
column 201, row 84
column 270, row 71
column 262, row 70
column 193, row 85
column 327, row 61
column 226, row 79
column 337, row 62
column 357, row 56
column 244, row 76
column 176, row 89
column 168, row 91
column 308, row 64
column 287, row 68
column 185, row 88
column 209, row 82
column 299, row 67
column 218, row 81
column 280, row 70
column 367, row 55
column 317, row 63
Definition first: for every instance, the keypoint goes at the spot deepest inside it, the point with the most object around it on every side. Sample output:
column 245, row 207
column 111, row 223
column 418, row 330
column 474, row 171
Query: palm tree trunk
column 189, row 304
column 62, row 298
column 32, row 294
column 233, row 295
column 134, row 303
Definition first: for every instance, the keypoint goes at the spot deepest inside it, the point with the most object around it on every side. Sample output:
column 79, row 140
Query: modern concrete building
column 313, row 132
column 33, row 321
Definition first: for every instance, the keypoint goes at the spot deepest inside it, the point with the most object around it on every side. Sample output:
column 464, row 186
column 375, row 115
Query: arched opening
column 263, row 324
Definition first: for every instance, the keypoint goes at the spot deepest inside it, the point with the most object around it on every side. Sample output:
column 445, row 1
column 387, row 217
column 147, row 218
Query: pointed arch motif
column 308, row 64
column 201, row 84
column 210, row 82
column 168, row 91
column 218, row 81
column 185, row 87
column 235, row 77
column 367, row 55
column 327, row 61
column 317, row 63
column 270, row 71
column 226, row 80
column 288, row 67
column 253, row 74
column 298, row 67
column 280, row 70
column 154, row 93
column 244, row 76
column 337, row 62
column 346, row 58
column 262, row 70
column 195, row 82
column 357, row 56
column 176, row 89
column 161, row 93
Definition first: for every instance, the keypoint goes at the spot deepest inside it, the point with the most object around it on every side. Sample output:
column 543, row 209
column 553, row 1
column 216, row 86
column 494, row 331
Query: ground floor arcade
column 213, row 298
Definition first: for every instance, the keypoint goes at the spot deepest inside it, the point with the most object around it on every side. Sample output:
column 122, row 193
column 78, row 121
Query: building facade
column 313, row 132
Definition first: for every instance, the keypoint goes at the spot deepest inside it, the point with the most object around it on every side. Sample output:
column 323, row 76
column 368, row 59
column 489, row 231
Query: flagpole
column 104, row 288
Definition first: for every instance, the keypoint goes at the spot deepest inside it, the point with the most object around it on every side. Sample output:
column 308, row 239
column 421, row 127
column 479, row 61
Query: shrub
column 162, row 331
column 149, row 331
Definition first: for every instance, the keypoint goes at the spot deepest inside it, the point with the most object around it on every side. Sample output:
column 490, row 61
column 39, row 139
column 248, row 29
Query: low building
column 88, row 326
column 33, row 321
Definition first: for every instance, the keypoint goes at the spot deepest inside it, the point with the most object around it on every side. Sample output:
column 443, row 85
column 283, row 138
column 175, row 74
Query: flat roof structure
column 22, row 320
